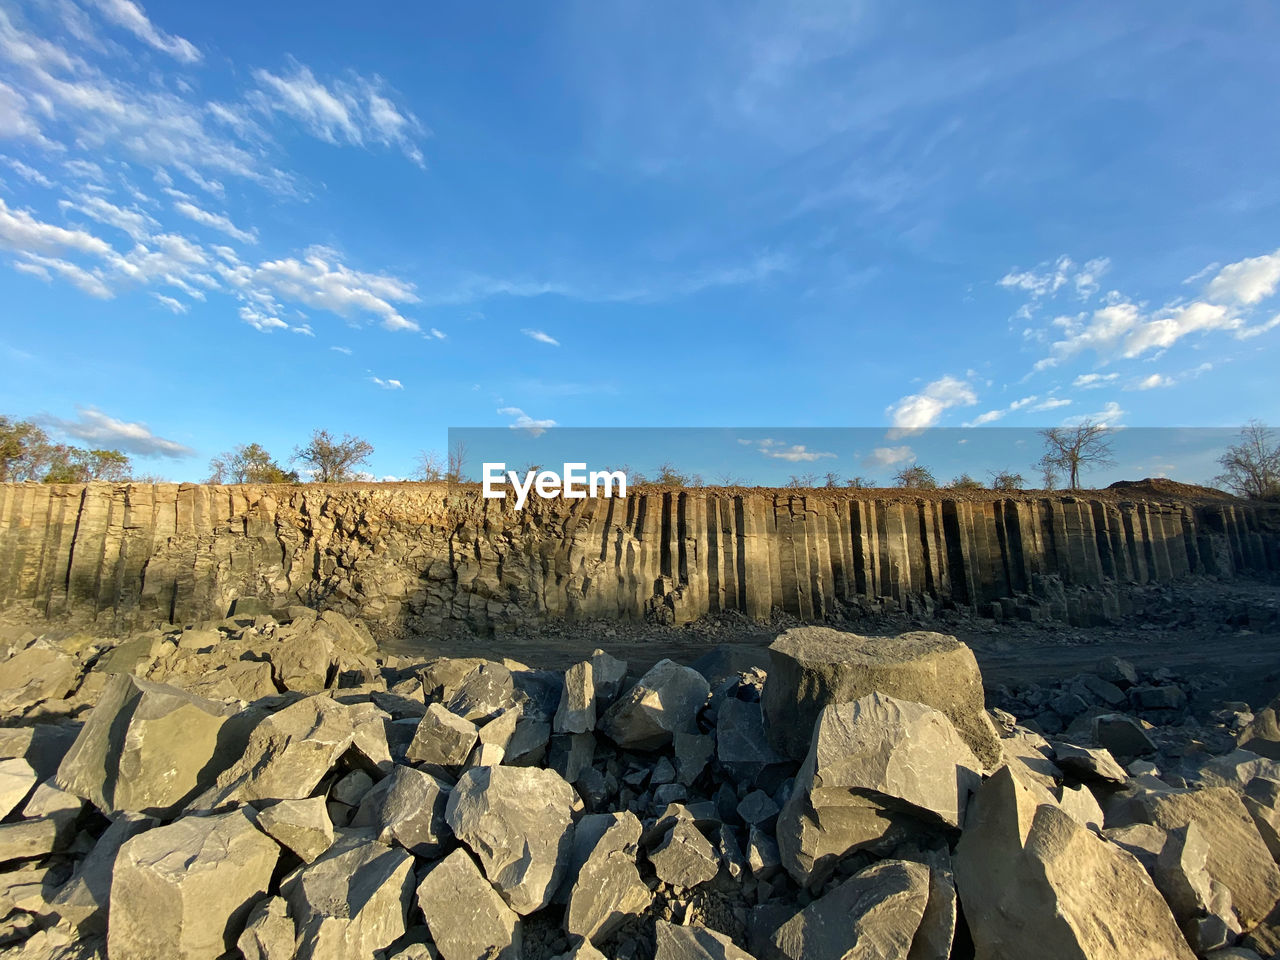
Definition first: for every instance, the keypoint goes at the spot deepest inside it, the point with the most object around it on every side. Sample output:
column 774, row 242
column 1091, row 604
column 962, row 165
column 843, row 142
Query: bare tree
column 1251, row 467
column 832, row 479
column 917, row 477
column 859, row 483
column 457, row 470
column 1068, row 449
column 428, row 466
column 727, row 479
column 1048, row 476
column 332, row 460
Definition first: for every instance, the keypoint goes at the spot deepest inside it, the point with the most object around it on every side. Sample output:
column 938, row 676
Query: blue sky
column 230, row 223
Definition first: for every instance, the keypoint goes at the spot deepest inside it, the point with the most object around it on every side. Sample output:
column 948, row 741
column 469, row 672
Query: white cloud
column 21, row 232
column 346, row 350
column 792, row 453
column 304, row 329
column 541, row 337
column 177, row 306
column 525, row 422
column 1122, row 330
column 889, row 456
column 920, row 410
column 352, row 111
column 387, row 384
column 1246, row 281
column 318, row 281
column 1248, row 333
column 89, row 281
column 95, row 427
column 991, row 416
column 217, row 221
column 126, row 14
column 434, row 334
column 1092, row 381
column 260, row 321
column 1109, row 416
column 30, row 174
column 130, row 220
column 1051, row 403
column 1153, row 381
column 1048, row 278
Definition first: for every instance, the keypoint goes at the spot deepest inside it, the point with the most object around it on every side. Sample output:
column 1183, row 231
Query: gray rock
column 301, row 825
column 303, row 663
column 816, row 666
column 442, row 738
column 666, row 700
column 467, row 918
column 1140, row 839
column 31, row 839
column 148, row 748
column 519, row 823
column 1034, row 883
column 1262, row 800
column 608, row 674
column 577, row 710
column 352, row 901
column 607, row 888
column 1117, row 671
column 408, row 808
column 741, row 745
column 684, row 858
column 287, row 755
column 483, row 693
column 83, row 900
column 351, row 788
column 1090, row 763
column 17, row 779
column 763, row 857
column 1158, row 698
column 693, row 751
column 875, row 913
column 1262, row 734
column 184, row 890
column 269, row 932
column 1194, row 897
column 40, row 672
column 695, row 943
column 1123, row 736
column 874, row 764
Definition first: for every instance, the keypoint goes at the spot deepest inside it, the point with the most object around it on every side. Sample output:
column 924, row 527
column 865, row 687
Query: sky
column 232, row 223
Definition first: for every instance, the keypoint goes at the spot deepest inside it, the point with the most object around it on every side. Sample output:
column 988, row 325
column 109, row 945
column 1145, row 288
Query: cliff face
column 407, row 557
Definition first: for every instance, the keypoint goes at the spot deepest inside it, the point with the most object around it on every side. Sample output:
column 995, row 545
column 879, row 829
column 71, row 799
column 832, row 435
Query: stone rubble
column 277, row 789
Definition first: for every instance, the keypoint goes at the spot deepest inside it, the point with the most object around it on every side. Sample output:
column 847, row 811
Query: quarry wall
column 412, row 557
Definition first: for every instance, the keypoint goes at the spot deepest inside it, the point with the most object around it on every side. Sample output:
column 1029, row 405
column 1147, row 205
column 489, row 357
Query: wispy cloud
column 216, row 221
column 525, row 422
column 387, row 384
column 541, row 337
column 790, row 452
column 889, row 456
column 97, row 428
column 320, row 280
column 129, row 15
column 917, row 411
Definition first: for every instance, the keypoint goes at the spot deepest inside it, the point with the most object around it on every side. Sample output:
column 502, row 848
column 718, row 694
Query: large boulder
column 665, row 701
column 184, row 890
column 269, row 932
column 467, row 918
column 353, row 901
column 607, row 888
column 695, row 943
column 148, row 747
column 1035, row 883
column 684, row 858
column 16, row 780
column 577, row 710
column 83, row 900
column 301, row 825
column 287, row 754
column 873, row 914
column 519, row 823
column 816, row 666
column 40, row 672
column 408, row 808
column 1237, row 856
column 876, row 767
column 442, row 738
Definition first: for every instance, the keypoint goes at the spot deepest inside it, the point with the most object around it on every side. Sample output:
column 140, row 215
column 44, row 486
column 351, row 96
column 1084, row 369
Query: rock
column 816, row 666
column 684, row 858
column 1262, row 734
column 408, row 808
column 763, row 857
column 1140, row 839
column 442, row 738
column 245, row 680
column 693, row 752
column 607, row 674
column 483, row 693
column 1157, row 698
column 43, row 746
column 16, row 780
column 1262, row 800
column 695, row 943
column 570, row 754
column 467, row 918
column 1079, row 803
column 303, row 663
column 875, row 764
column 39, row 672
column 666, row 700
column 1090, row 763
column 1237, row 858
column 1201, row 906
column 577, row 710
column 936, row 934
column 501, row 729
column 1034, row 883
column 287, row 755
column 875, row 913
column 757, row 808
column 1237, row 770
column 83, row 900
column 345, row 636
column 607, row 888
column 519, row 823
column 1123, row 736
column 148, row 748
column 741, row 745
column 269, row 932
column 301, row 825
column 184, row 890
column 352, row 901
column 1117, row 671
column 31, row 839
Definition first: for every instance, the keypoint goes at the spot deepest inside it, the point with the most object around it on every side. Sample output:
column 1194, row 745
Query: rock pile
column 277, row 789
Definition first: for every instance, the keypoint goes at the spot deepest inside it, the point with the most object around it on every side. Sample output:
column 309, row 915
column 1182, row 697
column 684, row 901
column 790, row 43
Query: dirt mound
column 1160, row 487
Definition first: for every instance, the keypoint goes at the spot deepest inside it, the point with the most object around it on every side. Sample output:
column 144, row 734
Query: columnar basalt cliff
column 407, row 557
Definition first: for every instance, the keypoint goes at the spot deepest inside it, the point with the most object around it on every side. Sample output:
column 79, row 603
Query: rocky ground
column 275, row 788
